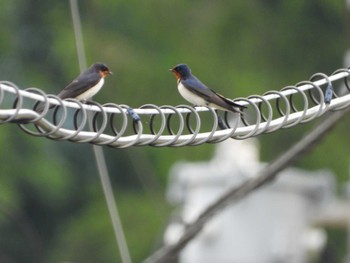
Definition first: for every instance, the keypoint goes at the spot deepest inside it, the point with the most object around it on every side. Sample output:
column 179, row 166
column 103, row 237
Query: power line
column 180, row 125
column 98, row 151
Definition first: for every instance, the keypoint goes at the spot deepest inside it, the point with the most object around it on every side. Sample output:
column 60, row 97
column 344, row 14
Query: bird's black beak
column 110, row 73
column 171, row 70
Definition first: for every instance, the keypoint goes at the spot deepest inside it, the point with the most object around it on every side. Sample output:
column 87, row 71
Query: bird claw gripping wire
column 121, row 126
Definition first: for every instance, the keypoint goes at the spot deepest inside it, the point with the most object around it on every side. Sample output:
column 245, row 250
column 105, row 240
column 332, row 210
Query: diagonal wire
column 235, row 194
column 78, row 34
column 98, row 152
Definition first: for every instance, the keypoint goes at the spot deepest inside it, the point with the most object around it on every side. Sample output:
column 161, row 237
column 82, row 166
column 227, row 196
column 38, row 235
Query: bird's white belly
column 190, row 96
column 92, row 91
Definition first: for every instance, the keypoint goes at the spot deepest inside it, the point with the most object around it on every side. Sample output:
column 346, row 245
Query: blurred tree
column 51, row 202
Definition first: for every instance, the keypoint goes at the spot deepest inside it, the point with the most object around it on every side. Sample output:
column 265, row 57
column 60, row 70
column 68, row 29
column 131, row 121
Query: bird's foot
column 85, row 101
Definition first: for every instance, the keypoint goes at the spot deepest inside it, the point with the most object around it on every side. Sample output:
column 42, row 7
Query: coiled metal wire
column 119, row 126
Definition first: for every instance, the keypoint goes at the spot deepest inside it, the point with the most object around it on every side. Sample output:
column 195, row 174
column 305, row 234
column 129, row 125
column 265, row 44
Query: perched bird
column 85, row 86
column 194, row 91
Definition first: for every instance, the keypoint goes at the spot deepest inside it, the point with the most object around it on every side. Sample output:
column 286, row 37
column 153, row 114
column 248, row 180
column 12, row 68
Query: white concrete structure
column 271, row 225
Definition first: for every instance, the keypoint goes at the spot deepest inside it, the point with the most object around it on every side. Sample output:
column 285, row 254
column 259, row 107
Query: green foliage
column 51, row 204
column 88, row 236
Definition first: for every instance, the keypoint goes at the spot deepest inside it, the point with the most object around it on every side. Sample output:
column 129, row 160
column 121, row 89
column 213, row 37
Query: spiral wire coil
column 120, row 126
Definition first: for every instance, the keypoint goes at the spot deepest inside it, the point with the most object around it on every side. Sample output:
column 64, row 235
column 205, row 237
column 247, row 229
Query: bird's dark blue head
column 181, row 71
column 103, row 69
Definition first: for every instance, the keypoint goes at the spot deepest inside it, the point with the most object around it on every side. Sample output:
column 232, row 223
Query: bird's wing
column 196, row 86
column 79, row 85
column 231, row 102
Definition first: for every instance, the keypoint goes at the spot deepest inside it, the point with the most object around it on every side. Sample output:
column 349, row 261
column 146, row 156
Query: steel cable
column 166, row 125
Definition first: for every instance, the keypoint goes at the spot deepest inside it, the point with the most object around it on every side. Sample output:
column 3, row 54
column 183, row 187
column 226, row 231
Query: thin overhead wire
column 98, row 152
column 176, row 126
column 78, row 34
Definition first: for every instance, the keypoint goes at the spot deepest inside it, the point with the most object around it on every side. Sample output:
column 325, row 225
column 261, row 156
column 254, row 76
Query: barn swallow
column 85, row 86
column 194, row 91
